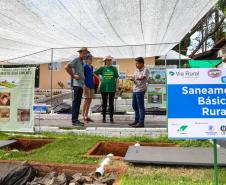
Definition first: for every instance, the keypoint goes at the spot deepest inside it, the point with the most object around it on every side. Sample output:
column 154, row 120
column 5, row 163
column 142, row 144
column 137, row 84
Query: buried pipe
column 100, row 171
column 137, row 144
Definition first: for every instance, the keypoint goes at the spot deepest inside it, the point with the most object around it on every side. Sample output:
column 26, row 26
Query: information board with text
column 196, row 103
column 17, row 99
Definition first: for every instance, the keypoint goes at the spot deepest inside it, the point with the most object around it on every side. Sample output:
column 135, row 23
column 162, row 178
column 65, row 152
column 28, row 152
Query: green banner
column 17, row 99
column 204, row 63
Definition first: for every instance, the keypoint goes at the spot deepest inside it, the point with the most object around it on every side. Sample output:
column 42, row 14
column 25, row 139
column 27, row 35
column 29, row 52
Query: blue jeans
column 76, row 102
column 138, row 107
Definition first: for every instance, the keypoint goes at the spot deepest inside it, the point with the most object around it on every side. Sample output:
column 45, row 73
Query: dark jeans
column 138, row 107
column 105, row 96
column 76, row 102
column 96, row 88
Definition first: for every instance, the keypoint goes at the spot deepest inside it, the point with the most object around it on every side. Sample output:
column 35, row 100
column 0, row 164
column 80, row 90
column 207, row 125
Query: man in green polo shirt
column 76, row 71
column 109, row 86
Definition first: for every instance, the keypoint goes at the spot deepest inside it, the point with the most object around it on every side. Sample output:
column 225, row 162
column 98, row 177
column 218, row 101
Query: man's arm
column 145, row 75
column 70, row 72
column 141, row 78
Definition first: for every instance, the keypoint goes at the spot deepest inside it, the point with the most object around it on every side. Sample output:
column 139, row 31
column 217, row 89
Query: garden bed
column 26, row 144
column 119, row 149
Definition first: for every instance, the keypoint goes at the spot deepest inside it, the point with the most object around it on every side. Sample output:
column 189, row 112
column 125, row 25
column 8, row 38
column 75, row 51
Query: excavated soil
column 119, row 149
column 26, row 144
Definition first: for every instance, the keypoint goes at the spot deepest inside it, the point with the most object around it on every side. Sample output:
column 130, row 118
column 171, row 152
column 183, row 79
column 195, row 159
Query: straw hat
column 83, row 49
column 107, row 58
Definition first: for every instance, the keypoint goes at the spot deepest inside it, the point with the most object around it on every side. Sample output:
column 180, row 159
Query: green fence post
column 215, row 162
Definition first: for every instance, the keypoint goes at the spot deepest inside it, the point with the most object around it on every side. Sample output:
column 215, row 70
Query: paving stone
column 113, row 132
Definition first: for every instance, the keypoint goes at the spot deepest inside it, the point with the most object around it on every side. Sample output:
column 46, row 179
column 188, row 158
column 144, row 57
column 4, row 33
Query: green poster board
column 204, row 63
column 17, row 99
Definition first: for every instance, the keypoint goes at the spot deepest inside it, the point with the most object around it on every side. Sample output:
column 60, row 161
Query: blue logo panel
column 193, row 105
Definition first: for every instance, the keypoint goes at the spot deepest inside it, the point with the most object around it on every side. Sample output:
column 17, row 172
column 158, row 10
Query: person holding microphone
column 140, row 87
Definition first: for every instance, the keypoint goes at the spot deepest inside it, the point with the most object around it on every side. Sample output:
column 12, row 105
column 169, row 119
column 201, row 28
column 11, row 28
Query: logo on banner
column 223, row 79
column 211, row 130
column 171, row 73
column 214, row 73
column 182, row 129
column 185, row 74
column 223, row 129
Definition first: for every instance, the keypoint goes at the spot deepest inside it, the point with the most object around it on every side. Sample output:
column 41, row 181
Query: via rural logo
column 182, row 128
column 171, row 73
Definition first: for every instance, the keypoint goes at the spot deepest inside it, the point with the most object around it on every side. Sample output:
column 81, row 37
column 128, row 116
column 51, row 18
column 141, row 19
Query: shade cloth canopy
column 173, row 55
column 121, row 28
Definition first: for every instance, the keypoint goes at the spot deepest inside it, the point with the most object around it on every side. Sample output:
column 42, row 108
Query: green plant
column 62, row 86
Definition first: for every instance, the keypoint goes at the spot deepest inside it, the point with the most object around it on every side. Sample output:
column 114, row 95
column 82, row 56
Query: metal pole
column 51, row 76
column 215, row 162
column 179, row 55
column 165, row 62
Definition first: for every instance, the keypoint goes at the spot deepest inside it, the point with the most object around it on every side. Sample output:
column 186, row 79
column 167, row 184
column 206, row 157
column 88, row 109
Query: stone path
column 154, row 125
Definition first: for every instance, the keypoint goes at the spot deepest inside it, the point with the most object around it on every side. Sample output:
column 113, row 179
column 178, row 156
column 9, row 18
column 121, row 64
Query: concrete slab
column 174, row 156
column 5, row 143
column 97, row 123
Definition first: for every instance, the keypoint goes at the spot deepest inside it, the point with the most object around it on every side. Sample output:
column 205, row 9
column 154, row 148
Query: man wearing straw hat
column 76, row 71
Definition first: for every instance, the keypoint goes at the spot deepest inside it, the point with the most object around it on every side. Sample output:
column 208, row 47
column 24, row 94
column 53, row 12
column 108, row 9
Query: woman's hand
column 100, row 79
column 118, row 92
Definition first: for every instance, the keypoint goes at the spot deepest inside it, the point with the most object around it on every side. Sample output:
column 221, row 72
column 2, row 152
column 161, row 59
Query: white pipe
column 99, row 171
column 106, row 161
column 137, row 144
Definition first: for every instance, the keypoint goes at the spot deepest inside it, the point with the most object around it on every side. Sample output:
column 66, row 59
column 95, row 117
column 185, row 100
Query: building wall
column 128, row 65
column 125, row 65
column 58, row 76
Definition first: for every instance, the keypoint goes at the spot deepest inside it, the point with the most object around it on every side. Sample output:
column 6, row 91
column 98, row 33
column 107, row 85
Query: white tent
column 121, row 28
column 173, row 55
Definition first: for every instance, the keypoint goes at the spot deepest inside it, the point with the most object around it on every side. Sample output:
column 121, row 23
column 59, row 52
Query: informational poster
column 122, row 76
column 17, row 99
column 55, row 66
column 157, row 86
column 196, row 103
column 157, row 95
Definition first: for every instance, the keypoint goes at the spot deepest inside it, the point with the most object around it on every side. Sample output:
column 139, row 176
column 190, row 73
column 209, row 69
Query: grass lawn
column 70, row 148
column 171, row 176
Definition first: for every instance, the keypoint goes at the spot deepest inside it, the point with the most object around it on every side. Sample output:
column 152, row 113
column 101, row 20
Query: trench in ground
column 119, row 149
column 27, row 144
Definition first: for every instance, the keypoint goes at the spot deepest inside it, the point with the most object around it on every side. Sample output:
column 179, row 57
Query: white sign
column 196, row 103
column 17, row 99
